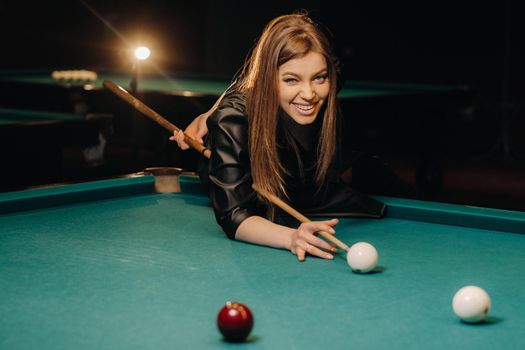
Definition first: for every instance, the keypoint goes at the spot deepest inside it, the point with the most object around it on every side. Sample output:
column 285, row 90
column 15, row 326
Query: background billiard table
column 34, row 144
column 379, row 118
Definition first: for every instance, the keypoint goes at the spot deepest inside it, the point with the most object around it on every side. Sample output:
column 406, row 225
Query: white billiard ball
column 362, row 257
column 471, row 304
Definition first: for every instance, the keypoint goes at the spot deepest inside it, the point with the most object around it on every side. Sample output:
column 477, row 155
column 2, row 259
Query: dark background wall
column 428, row 42
column 475, row 44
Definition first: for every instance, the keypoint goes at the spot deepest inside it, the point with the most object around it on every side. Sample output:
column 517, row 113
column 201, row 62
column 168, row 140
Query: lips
column 305, row 109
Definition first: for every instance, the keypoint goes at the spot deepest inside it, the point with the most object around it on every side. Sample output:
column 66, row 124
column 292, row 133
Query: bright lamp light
column 142, row 52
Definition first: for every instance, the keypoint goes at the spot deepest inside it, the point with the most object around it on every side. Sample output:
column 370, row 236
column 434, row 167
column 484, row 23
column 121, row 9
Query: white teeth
column 304, row 108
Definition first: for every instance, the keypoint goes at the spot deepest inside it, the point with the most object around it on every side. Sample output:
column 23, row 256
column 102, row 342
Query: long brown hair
column 284, row 38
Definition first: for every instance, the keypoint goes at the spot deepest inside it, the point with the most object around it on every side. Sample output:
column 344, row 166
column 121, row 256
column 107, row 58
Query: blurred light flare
column 142, row 53
column 128, row 44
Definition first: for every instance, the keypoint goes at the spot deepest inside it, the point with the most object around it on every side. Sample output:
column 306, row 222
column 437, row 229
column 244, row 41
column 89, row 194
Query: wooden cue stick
column 284, row 206
column 148, row 112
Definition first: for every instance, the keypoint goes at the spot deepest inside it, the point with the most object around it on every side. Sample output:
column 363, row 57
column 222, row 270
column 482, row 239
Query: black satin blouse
column 229, row 179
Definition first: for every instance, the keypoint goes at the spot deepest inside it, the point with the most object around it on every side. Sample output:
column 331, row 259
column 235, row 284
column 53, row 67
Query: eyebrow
column 322, row 71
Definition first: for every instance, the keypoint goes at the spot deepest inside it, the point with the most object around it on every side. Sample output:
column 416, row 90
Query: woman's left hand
column 304, row 241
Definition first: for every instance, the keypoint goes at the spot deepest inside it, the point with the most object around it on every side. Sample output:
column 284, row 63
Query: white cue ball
column 362, row 257
column 471, row 304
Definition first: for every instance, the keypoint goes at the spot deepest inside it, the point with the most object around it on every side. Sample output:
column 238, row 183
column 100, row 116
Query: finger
column 174, row 136
column 180, row 140
column 318, row 242
column 328, row 225
column 315, row 251
column 179, row 136
column 332, row 222
column 316, row 226
column 301, row 254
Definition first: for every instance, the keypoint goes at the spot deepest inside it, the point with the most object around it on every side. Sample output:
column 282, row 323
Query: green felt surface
column 112, row 266
column 20, row 116
column 191, row 84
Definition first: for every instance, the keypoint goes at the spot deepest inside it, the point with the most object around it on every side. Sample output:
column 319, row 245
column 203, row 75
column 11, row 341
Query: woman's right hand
column 196, row 130
column 304, row 240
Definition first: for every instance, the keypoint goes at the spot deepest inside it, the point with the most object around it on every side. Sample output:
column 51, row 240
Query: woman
column 276, row 127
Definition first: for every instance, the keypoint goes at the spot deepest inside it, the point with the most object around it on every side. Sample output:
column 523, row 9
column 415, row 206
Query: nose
column 307, row 92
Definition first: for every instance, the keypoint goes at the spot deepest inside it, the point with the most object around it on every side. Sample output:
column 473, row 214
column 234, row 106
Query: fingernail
column 329, row 256
column 332, row 230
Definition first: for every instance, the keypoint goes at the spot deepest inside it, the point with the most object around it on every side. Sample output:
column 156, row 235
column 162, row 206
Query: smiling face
column 303, row 87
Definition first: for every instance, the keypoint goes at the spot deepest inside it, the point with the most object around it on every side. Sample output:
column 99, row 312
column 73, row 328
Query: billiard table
column 112, row 264
column 193, row 84
column 412, row 119
column 32, row 142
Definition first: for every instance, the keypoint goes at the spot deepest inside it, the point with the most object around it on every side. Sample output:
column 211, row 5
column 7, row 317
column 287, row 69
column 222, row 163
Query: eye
column 321, row 78
column 290, row 80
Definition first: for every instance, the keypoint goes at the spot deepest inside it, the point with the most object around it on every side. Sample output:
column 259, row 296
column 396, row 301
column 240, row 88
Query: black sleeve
column 230, row 181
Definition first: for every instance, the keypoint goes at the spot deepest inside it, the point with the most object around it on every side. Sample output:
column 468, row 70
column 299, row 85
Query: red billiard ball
column 235, row 321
